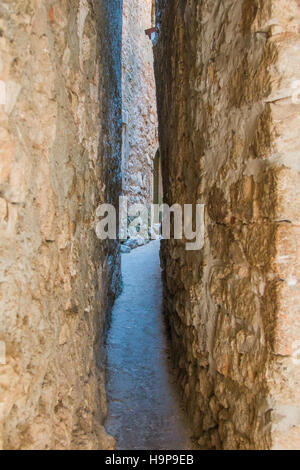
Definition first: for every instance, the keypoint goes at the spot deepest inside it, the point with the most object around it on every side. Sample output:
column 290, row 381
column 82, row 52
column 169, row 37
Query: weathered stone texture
column 228, row 98
column 60, row 146
column 140, row 139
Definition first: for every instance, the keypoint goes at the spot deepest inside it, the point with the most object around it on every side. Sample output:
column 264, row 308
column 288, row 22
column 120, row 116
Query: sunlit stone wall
column 228, row 77
column 60, row 151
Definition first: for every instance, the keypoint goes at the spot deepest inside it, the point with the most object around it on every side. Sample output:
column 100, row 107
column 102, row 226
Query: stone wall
column 140, row 140
column 229, row 111
column 60, row 145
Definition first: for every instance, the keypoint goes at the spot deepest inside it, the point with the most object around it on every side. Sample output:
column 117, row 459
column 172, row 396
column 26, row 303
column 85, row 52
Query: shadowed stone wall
column 228, row 100
column 60, row 147
column 140, row 140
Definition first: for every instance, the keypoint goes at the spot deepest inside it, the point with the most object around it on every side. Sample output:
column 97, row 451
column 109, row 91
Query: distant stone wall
column 140, row 140
column 229, row 111
column 60, row 147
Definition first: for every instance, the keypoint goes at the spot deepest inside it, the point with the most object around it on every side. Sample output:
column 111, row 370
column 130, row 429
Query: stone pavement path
column 143, row 408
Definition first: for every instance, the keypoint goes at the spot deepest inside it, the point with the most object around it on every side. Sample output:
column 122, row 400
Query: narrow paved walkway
column 143, row 409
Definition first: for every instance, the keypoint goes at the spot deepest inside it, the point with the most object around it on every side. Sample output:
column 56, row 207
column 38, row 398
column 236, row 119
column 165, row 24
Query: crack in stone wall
column 60, row 133
column 227, row 78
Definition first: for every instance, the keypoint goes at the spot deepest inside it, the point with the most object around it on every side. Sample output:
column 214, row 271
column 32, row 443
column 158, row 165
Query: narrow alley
column 125, row 120
column 143, row 407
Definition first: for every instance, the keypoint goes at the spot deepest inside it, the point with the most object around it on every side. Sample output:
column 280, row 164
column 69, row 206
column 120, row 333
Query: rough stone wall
column 60, row 146
column 140, row 140
column 228, row 97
